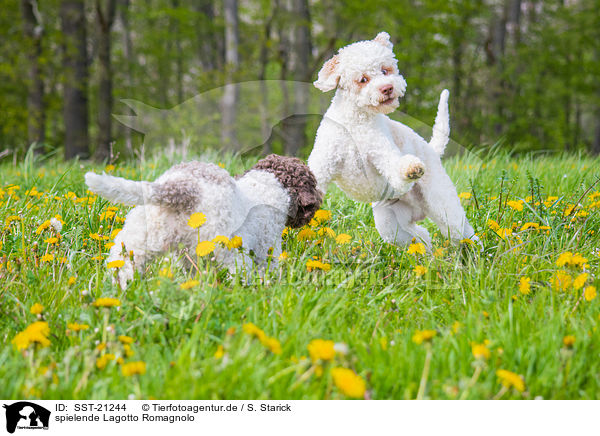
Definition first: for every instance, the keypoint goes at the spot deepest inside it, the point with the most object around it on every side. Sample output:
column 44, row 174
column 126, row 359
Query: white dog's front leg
column 401, row 171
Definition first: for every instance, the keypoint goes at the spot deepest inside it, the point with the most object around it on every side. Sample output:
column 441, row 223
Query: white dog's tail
column 118, row 189
column 441, row 128
column 179, row 194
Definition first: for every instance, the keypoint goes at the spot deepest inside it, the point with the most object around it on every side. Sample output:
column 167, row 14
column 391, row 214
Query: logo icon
column 26, row 415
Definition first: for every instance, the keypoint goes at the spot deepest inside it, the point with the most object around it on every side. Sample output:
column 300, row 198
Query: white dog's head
column 366, row 72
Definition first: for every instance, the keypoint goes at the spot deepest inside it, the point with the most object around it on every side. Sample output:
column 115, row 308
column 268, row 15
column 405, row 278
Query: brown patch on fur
column 183, row 192
column 330, row 66
column 299, row 181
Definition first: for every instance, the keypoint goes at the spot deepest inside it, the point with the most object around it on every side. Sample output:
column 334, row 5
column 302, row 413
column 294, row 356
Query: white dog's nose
column 386, row 89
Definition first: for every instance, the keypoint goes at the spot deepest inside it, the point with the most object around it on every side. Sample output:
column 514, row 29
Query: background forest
column 524, row 73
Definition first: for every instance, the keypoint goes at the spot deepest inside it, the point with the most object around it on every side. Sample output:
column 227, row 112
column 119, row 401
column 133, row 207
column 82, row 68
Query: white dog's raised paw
column 415, row 170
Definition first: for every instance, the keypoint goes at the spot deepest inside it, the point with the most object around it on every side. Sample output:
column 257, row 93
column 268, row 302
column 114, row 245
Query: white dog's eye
column 364, row 79
column 384, row 71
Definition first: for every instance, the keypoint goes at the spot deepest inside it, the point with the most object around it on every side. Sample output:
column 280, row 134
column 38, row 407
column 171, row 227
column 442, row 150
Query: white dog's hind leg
column 442, row 206
column 394, row 222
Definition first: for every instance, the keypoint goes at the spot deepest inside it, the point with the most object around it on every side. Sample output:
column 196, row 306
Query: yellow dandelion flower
column 493, row 224
column 418, row 248
column 348, row 382
column 516, row 205
column 272, row 344
column 326, row 231
column 47, row 258
column 114, row 233
column 423, row 336
column 36, row 333
column 115, row 264
column 235, row 242
column 306, row 234
column 577, row 260
column 36, row 309
column 204, row 248
column 569, row 341
column 503, row 233
column 220, row 352
column 128, row 351
column 465, row 195
column 525, row 286
column 480, row 351
column 252, row 330
column 189, row 284
column 107, row 302
column 420, row 270
column 109, row 168
column 510, row 379
column 95, row 236
column 589, row 293
column 343, row 238
column 321, row 349
column 561, row 281
column 51, row 241
column 527, row 226
column 439, row 252
column 133, row 368
column 103, row 360
column 124, row 339
column 77, row 327
column 221, row 239
column 317, row 264
column 564, row 258
column 196, row 220
column 109, row 245
column 579, row 281
column 284, row 256
column 42, row 227
column 322, row 215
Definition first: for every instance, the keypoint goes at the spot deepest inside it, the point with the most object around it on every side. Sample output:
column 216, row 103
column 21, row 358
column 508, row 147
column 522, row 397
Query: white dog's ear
column 329, row 76
column 383, row 38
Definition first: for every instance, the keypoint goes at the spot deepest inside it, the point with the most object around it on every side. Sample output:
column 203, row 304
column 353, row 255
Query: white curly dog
column 375, row 159
column 277, row 192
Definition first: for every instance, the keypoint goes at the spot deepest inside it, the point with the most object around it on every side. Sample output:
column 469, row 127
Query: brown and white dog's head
column 367, row 73
column 300, row 183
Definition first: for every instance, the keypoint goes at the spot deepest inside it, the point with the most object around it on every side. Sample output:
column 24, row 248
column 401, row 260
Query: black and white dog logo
column 26, row 415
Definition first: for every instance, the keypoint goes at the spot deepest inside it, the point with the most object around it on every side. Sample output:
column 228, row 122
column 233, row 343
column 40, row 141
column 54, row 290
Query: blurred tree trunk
column 128, row 54
column 105, row 16
column 495, row 54
column 231, row 91
column 72, row 14
column 262, row 77
column 178, row 54
column 596, row 143
column 294, row 128
column 33, row 31
column 206, row 39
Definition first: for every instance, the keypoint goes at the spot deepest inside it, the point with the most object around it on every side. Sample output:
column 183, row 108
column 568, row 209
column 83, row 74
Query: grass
column 371, row 302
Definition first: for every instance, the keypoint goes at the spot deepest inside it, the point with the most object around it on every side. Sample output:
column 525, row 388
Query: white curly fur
column 375, row 159
column 254, row 207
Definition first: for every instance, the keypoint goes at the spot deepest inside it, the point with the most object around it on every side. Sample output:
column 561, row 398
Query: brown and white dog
column 276, row 192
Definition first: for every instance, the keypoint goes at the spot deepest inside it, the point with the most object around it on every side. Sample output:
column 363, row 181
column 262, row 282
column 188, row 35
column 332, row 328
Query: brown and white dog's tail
column 172, row 194
column 441, row 127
